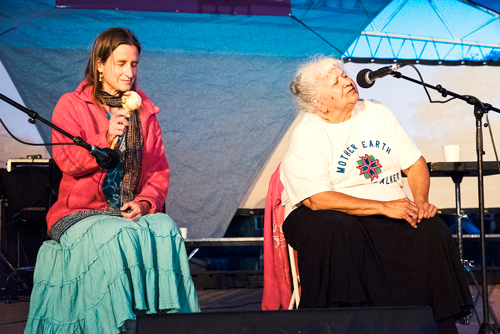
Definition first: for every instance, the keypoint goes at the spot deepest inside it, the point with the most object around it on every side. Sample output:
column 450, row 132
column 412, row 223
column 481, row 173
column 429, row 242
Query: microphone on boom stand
column 105, row 157
column 366, row 78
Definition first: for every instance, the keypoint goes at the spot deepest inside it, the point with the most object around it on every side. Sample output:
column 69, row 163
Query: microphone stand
column 109, row 162
column 479, row 110
column 106, row 158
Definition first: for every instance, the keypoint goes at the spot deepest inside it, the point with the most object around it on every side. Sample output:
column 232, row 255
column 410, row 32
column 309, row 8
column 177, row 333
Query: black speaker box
column 376, row 320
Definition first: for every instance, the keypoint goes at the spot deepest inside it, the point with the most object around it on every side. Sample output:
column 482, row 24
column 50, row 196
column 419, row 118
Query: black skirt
column 347, row 260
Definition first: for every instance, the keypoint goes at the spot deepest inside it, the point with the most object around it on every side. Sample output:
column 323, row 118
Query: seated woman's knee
column 434, row 225
column 323, row 225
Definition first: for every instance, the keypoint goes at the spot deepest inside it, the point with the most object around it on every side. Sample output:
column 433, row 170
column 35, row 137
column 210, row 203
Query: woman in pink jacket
column 112, row 254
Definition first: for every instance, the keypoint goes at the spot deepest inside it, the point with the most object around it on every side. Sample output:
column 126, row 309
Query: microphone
column 106, row 158
column 366, row 78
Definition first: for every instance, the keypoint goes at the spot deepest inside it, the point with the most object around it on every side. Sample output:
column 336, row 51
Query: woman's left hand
column 425, row 210
column 133, row 210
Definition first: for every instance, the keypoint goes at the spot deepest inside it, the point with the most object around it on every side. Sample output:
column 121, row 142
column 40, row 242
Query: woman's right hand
column 118, row 123
column 402, row 209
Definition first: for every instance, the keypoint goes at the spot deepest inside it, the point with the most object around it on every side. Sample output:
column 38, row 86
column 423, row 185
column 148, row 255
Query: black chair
column 28, row 191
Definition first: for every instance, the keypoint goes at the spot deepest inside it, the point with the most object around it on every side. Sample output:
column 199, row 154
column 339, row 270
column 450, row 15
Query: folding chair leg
column 295, row 279
column 292, row 301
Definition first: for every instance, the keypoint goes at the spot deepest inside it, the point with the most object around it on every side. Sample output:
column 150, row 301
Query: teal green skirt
column 107, row 269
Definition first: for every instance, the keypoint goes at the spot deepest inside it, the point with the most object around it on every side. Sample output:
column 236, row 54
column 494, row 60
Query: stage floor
column 13, row 316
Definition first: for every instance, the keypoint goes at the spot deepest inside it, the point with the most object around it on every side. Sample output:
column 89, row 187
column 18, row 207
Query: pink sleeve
column 81, row 121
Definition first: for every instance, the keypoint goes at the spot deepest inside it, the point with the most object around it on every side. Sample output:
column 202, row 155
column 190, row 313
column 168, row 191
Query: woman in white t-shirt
column 360, row 240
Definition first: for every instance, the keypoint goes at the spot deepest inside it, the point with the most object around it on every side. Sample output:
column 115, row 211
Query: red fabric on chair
column 277, row 279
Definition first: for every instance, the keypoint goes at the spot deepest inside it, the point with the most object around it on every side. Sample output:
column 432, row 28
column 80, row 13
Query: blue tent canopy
column 432, row 31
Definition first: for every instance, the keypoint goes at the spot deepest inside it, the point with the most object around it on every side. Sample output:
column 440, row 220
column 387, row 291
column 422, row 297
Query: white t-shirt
column 362, row 157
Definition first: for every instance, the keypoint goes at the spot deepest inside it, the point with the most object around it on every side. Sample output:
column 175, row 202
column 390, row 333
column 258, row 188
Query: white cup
column 451, row 153
column 184, row 232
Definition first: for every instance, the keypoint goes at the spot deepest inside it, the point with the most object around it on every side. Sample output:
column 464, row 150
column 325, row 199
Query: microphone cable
column 488, row 125
column 32, row 144
column 440, row 90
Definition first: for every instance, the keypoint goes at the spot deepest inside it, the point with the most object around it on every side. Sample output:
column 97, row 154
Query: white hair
column 308, row 78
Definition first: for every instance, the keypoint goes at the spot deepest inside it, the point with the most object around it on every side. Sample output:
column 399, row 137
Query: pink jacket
column 81, row 184
column 277, row 276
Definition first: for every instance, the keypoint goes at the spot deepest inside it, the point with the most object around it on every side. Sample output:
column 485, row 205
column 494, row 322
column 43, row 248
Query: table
column 457, row 171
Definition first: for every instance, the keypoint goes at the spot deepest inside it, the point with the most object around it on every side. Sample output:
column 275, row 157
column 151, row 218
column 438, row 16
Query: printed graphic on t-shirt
column 369, row 167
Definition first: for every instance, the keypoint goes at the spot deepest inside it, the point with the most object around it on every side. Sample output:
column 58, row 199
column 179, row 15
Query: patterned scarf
column 131, row 152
